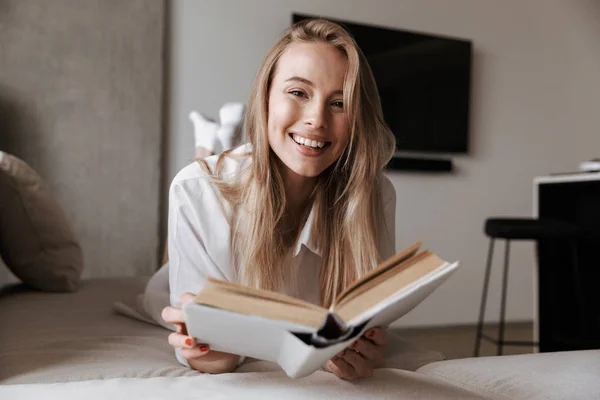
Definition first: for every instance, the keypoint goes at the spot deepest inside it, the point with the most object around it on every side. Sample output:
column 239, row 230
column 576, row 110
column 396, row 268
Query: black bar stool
column 522, row 229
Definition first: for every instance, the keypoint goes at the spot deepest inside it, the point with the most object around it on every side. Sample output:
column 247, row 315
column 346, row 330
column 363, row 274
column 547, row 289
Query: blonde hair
column 347, row 196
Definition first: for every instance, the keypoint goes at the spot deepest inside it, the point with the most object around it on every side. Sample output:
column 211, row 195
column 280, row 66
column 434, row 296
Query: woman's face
column 307, row 126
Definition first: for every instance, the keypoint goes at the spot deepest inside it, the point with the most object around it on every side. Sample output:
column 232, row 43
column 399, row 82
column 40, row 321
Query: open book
column 301, row 336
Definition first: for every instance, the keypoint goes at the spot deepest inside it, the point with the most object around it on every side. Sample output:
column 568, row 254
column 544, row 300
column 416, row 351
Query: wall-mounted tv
column 424, row 82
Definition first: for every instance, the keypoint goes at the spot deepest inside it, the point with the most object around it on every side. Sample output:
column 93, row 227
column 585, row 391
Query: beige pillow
column 37, row 242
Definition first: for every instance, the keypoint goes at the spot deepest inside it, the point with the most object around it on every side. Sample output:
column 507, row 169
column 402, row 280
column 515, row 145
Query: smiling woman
column 301, row 209
column 306, row 108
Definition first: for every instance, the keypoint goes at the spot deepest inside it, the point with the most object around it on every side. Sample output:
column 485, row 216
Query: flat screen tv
column 423, row 82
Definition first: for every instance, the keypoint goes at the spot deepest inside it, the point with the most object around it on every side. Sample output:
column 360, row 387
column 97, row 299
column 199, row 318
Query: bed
column 74, row 345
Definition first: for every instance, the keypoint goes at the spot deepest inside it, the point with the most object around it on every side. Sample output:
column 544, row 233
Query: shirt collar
column 306, row 238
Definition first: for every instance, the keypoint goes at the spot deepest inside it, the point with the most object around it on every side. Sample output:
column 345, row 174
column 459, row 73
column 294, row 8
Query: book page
column 406, row 299
column 384, row 276
column 380, row 269
column 263, row 294
column 243, row 300
column 423, row 265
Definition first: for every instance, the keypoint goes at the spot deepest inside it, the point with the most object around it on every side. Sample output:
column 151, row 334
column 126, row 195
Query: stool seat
column 523, row 229
column 529, row 229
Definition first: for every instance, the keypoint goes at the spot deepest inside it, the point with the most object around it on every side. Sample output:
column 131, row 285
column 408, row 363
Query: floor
column 459, row 341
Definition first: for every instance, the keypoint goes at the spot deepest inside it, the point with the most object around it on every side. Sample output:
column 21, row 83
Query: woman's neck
column 297, row 192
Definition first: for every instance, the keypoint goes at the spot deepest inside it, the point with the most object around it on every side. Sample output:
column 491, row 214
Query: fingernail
column 335, row 358
column 353, row 345
column 371, row 334
column 188, row 341
column 203, row 347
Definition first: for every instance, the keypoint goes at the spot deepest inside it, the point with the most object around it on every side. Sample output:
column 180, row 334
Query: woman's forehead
column 319, row 63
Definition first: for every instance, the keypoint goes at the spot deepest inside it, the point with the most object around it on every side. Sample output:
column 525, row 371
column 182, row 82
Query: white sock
column 205, row 131
column 231, row 116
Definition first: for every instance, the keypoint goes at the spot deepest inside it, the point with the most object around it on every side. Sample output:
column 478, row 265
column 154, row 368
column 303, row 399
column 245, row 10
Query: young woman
column 304, row 208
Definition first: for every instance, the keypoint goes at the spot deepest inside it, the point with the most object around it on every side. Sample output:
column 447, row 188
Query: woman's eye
column 338, row 104
column 298, row 93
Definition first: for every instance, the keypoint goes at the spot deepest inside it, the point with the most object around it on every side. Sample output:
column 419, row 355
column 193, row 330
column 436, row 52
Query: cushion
column 37, row 242
column 569, row 375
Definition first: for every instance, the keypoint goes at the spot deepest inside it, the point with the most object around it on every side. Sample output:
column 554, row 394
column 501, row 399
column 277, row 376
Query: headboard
column 81, row 100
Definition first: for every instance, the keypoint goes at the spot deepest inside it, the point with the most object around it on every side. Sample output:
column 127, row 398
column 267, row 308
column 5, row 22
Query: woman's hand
column 359, row 360
column 198, row 355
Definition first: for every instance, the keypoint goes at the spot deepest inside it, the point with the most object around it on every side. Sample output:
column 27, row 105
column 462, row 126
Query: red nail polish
column 371, row 334
column 203, row 347
column 188, row 342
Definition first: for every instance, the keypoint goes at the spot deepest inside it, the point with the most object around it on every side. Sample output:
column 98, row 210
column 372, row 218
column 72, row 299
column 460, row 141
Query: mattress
column 74, row 344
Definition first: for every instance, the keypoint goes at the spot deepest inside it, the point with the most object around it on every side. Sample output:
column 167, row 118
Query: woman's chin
column 304, row 167
column 305, row 171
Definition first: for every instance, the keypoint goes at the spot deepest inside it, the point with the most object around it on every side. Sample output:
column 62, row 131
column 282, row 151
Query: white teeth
column 308, row 142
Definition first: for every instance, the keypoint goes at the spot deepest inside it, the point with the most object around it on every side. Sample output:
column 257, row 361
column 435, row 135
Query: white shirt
column 199, row 234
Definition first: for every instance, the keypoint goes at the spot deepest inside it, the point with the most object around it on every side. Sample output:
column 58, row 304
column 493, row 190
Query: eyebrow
column 309, row 83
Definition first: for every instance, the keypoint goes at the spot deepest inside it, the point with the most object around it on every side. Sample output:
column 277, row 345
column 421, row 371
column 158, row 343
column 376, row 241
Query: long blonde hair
column 347, row 196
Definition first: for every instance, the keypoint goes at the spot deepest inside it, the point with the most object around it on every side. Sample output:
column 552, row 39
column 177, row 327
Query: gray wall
column 81, row 101
column 534, row 111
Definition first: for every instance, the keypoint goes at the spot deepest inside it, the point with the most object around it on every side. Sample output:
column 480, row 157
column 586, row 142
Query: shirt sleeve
column 387, row 240
column 197, row 238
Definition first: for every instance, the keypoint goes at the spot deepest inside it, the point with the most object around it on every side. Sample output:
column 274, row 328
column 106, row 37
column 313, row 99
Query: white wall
column 535, row 110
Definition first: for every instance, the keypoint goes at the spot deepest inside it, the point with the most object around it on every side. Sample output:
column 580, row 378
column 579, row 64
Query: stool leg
column 486, row 282
column 577, row 286
column 503, row 304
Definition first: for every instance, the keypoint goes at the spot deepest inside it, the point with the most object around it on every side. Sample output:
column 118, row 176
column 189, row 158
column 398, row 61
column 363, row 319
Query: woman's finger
column 369, row 350
column 361, row 365
column 173, row 315
column 180, row 328
column 183, row 341
column 199, row 350
column 341, row 368
column 378, row 336
column 186, row 298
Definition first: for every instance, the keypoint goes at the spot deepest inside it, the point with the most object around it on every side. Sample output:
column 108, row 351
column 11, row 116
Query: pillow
column 37, row 242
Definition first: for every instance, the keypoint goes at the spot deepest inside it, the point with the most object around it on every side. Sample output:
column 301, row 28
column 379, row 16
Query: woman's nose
column 316, row 115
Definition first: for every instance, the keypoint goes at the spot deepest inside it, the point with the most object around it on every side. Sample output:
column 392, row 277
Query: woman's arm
column 194, row 221
column 198, row 240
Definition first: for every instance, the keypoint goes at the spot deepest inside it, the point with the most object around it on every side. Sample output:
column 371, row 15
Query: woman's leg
column 207, row 133
column 201, row 153
column 231, row 117
column 205, row 136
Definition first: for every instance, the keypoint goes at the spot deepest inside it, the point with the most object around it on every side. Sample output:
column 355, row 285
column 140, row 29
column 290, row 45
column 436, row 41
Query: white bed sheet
column 385, row 384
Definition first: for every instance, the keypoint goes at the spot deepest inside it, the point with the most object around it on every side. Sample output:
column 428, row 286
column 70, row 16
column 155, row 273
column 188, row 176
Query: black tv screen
column 423, row 82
